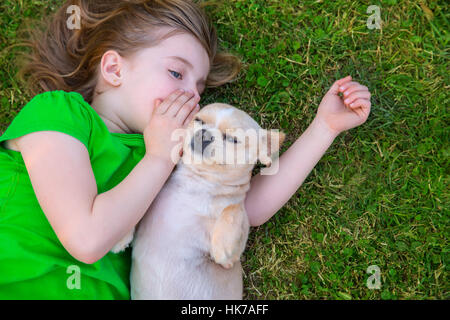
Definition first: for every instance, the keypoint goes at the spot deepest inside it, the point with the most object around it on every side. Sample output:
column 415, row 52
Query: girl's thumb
column 157, row 103
column 335, row 87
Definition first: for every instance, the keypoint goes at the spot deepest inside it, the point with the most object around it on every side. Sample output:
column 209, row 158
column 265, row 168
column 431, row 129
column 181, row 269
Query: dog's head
column 224, row 139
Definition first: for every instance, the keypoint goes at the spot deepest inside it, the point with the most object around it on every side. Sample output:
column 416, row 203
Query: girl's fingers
column 351, row 84
column 363, row 103
column 335, row 87
column 354, row 88
column 361, row 107
column 156, row 109
column 356, row 95
column 179, row 103
column 186, row 109
column 343, row 80
column 169, row 100
column 191, row 115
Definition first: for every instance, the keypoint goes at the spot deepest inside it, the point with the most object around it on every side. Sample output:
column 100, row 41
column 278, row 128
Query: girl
column 83, row 160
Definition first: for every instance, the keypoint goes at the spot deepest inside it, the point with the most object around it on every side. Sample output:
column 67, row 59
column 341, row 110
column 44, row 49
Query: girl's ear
column 269, row 145
column 111, row 66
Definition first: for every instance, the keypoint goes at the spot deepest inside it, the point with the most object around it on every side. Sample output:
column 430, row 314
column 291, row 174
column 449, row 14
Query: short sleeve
column 61, row 111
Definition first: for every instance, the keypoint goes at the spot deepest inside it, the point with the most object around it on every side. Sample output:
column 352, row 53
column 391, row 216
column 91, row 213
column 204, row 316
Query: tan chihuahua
column 189, row 243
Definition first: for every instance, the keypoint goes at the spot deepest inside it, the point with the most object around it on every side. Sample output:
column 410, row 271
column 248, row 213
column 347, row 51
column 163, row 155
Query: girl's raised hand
column 175, row 112
column 343, row 113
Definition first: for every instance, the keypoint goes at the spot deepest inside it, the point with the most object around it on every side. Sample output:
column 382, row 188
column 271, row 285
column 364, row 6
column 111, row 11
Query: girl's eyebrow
column 182, row 60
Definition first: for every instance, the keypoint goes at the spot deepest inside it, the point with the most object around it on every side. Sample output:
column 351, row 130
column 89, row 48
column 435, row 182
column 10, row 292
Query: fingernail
column 342, row 88
column 346, row 100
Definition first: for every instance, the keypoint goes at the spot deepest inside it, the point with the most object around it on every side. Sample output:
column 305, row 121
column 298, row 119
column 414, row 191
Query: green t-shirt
column 33, row 262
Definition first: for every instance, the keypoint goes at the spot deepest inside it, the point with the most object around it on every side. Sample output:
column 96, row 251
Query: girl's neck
column 105, row 110
column 113, row 127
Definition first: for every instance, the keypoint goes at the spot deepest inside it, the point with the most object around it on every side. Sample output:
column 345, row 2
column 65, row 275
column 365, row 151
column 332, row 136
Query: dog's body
column 189, row 242
column 172, row 247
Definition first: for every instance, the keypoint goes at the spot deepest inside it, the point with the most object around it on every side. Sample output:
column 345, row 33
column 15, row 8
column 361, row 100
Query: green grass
column 378, row 196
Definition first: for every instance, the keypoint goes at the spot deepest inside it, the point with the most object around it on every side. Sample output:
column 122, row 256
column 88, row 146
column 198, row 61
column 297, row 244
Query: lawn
column 378, row 195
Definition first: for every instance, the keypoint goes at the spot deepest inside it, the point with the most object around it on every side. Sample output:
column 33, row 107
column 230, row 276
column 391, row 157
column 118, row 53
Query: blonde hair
column 64, row 59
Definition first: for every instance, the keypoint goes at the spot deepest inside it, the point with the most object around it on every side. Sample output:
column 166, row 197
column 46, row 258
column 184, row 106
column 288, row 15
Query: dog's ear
column 269, row 144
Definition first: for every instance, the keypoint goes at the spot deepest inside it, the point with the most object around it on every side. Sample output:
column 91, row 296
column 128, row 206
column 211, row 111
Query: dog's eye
column 199, row 120
column 230, row 138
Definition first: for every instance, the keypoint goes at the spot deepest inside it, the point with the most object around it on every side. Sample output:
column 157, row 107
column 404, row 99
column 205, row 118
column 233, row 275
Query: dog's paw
column 224, row 255
column 124, row 243
column 226, row 247
column 229, row 236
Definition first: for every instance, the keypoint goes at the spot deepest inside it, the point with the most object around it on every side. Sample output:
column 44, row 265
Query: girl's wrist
column 155, row 160
column 320, row 126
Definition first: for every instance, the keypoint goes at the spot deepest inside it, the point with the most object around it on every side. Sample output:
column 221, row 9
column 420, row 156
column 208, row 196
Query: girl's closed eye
column 175, row 74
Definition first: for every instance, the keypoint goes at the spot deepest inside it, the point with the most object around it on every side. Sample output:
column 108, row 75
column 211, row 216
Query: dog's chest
column 184, row 213
column 182, row 202
column 184, row 195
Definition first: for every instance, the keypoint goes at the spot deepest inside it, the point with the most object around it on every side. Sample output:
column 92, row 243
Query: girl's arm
column 87, row 224
column 269, row 193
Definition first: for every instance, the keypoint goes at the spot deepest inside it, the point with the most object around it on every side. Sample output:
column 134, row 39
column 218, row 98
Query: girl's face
column 153, row 73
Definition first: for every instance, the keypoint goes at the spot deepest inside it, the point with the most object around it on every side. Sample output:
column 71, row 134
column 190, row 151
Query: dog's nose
column 207, row 136
column 202, row 138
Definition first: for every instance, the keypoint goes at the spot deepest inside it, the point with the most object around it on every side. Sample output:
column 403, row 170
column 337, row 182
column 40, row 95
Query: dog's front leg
column 229, row 235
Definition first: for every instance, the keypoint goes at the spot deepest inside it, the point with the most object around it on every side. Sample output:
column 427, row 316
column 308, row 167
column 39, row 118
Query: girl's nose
column 195, row 91
column 196, row 95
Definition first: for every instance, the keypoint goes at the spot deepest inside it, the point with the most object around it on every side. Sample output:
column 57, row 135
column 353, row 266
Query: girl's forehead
column 181, row 48
column 180, row 45
column 183, row 44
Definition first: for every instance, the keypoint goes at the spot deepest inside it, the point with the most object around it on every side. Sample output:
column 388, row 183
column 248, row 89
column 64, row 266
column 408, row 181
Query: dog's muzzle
column 201, row 139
